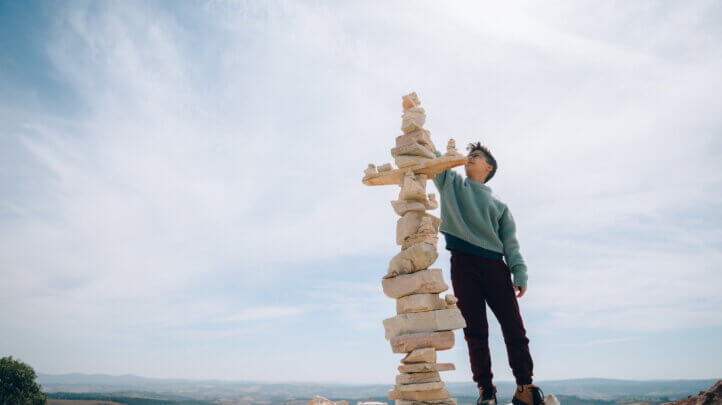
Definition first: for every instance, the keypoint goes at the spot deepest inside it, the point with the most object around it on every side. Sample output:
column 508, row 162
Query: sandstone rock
column 422, row 281
column 421, row 137
column 712, row 396
column 420, row 395
column 419, row 303
column 422, row 355
column 402, row 206
column 413, row 187
column 430, row 169
column 552, row 400
column 403, row 161
column 418, row 378
column 450, row 299
column 370, row 403
column 409, row 343
column 410, row 100
column 431, row 321
column 411, row 240
column 449, row 401
column 413, row 149
column 420, row 387
column 384, row 168
column 431, row 203
column 413, row 119
column 426, row 367
column 409, row 224
column 371, row 169
column 417, row 257
column 451, row 148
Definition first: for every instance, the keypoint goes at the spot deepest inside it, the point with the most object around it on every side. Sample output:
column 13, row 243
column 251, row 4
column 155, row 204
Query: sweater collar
column 478, row 185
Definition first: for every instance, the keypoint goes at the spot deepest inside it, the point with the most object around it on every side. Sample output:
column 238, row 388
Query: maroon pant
column 479, row 281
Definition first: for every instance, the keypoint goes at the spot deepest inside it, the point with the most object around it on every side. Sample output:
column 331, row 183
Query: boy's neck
column 479, row 179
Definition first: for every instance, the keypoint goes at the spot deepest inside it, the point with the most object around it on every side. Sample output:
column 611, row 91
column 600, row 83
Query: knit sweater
column 472, row 213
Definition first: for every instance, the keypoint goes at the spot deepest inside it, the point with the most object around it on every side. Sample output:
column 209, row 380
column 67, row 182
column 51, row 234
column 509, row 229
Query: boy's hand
column 520, row 290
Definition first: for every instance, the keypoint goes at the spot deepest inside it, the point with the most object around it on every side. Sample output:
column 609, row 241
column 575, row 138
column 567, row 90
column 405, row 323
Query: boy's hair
column 487, row 154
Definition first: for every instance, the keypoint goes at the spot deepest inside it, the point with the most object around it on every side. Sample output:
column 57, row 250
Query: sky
column 181, row 196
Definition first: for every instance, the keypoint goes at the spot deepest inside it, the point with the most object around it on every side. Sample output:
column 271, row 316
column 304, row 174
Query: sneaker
column 487, row 396
column 528, row 394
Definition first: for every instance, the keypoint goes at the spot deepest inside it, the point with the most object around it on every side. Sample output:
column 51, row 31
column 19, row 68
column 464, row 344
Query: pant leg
column 468, row 288
column 502, row 301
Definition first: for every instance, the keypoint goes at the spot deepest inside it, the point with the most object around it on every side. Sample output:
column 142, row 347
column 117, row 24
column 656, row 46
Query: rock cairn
column 424, row 320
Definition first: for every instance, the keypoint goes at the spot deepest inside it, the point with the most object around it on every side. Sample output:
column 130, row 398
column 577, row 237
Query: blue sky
column 180, row 188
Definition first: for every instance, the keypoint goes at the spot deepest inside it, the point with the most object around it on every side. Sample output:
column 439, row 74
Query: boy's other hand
column 520, row 291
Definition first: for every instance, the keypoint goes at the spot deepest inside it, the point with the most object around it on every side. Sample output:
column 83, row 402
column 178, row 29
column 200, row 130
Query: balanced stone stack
column 425, row 321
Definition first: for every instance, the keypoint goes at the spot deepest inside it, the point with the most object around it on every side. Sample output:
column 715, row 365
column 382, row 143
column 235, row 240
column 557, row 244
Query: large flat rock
column 448, row 401
column 420, row 395
column 422, row 281
column 411, row 342
column 418, row 378
column 419, row 303
column 430, row 321
column 418, row 257
column 426, row 367
column 420, row 387
column 430, row 168
column 422, row 355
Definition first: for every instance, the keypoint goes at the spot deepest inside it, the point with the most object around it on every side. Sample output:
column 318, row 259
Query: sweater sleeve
column 444, row 177
column 507, row 234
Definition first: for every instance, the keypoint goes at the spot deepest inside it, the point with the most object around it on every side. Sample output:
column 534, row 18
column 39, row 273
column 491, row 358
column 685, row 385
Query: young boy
column 480, row 231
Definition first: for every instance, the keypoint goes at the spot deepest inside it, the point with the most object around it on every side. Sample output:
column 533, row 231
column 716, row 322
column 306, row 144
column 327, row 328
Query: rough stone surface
column 421, row 137
column 450, row 299
column 419, row 303
column 410, row 100
column 413, row 187
column 413, row 149
column 712, row 396
column 413, row 119
column 431, row 321
column 426, row 367
column 402, row 206
column 422, row 281
column 403, row 161
column 449, row 401
column 418, row 257
column 420, row 387
column 430, row 169
column 431, row 203
column 411, row 240
column 384, row 167
column 420, row 395
column 318, row 400
column 418, row 378
column 409, row 224
column 422, row 355
column 409, row 343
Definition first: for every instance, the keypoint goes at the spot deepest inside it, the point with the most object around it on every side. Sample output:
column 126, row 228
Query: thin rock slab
column 422, row 281
column 430, row 321
column 418, row 378
column 411, row 342
column 419, row 303
column 422, row 137
column 420, row 387
column 448, row 401
column 401, row 207
column 403, row 161
column 412, row 149
column 417, row 257
column 420, row 395
column 422, row 355
column 426, row 367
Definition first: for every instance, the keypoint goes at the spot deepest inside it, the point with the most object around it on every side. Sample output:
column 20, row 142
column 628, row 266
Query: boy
column 479, row 232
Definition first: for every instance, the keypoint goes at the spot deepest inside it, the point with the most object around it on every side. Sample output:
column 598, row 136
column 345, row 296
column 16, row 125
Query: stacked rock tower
column 424, row 320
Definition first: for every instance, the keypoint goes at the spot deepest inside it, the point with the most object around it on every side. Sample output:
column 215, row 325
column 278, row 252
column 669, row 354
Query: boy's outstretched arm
column 445, row 176
column 507, row 234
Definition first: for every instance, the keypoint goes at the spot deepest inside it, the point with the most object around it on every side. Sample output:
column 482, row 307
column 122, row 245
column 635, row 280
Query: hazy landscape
column 139, row 390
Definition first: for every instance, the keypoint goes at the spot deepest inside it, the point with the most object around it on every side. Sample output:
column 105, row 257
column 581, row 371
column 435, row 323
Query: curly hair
column 487, row 155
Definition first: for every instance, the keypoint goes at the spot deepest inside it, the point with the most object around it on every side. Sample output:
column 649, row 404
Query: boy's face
column 477, row 166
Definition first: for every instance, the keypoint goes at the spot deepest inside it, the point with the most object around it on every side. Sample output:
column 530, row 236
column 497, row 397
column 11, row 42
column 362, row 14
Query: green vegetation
column 126, row 400
column 17, row 384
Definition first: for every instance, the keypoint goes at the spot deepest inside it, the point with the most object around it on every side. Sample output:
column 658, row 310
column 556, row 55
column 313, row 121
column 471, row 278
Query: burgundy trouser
column 479, row 281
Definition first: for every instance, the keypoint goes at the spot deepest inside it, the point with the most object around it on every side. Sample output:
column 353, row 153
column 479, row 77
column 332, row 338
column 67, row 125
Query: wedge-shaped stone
column 418, row 257
column 418, row 378
column 448, row 401
column 413, row 149
column 412, row 240
column 420, row 395
column 413, row 187
column 431, row 321
column 422, row 281
column 403, row 161
column 426, row 367
column 419, row 303
column 402, row 206
column 409, row 224
column 409, row 343
column 422, row 355
column 410, row 100
column 413, row 119
column 421, row 137
column 420, row 387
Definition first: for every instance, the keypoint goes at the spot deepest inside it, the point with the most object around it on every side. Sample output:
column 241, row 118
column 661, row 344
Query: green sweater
column 469, row 211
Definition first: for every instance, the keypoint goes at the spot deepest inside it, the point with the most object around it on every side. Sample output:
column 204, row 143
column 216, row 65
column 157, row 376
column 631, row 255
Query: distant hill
column 579, row 391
